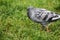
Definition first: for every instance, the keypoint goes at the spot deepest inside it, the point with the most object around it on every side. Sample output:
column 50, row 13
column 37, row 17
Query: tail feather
column 56, row 18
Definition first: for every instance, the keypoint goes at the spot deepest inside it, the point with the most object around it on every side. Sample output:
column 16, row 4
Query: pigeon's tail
column 56, row 18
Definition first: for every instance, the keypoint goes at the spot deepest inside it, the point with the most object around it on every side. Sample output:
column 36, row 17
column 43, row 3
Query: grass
column 15, row 25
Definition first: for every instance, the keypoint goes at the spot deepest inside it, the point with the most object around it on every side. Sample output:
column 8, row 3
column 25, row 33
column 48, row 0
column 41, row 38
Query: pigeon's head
column 32, row 10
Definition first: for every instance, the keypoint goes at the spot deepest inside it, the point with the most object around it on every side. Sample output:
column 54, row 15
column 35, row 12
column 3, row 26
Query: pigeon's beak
column 28, row 9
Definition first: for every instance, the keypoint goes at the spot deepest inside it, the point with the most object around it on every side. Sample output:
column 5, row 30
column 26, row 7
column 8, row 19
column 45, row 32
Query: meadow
column 15, row 25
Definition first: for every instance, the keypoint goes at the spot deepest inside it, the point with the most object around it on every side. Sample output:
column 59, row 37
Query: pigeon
column 42, row 16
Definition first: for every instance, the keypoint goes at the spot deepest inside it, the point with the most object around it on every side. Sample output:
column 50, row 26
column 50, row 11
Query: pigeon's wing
column 46, row 15
column 49, row 16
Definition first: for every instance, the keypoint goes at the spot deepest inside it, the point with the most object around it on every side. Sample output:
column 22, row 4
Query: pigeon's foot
column 47, row 29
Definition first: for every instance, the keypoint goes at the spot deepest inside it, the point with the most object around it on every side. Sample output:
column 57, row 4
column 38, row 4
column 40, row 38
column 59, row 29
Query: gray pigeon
column 42, row 16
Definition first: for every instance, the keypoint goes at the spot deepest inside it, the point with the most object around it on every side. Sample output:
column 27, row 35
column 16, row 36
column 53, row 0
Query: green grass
column 15, row 25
